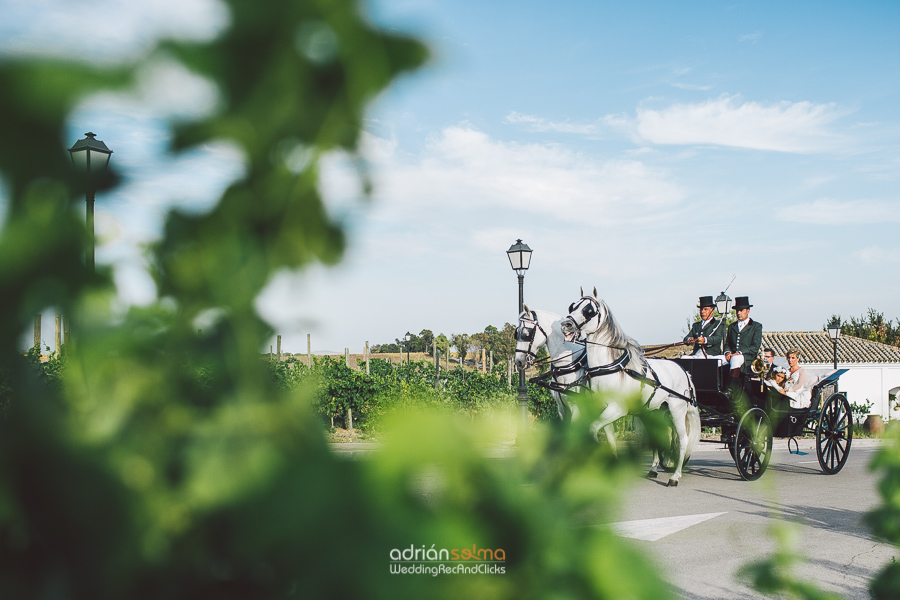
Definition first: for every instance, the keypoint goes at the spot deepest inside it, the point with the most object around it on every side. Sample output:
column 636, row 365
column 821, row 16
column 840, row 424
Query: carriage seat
column 704, row 372
column 823, row 383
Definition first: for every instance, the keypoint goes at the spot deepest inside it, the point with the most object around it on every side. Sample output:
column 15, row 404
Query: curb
column 508, row 450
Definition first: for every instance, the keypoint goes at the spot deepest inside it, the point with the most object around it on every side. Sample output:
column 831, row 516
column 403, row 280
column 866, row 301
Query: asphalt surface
column 702, row 560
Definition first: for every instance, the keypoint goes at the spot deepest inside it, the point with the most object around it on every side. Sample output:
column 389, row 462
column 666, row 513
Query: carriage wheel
column 834, row 434
column 753, row 444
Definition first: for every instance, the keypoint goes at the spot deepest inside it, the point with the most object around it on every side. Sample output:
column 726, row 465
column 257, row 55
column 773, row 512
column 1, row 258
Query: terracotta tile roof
column 817, row 347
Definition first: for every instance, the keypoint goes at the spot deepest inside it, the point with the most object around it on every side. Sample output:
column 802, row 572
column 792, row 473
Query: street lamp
column 723, row 305
column 519, row 259
column 90, row 157
column 408, row 336
column 834, row 332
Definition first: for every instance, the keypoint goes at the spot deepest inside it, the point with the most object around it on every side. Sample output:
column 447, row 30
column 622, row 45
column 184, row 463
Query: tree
column 461, row 342
column 506, row 342
column 443, row 344
column 386, row 348
column 870, row 326
column 425, row 338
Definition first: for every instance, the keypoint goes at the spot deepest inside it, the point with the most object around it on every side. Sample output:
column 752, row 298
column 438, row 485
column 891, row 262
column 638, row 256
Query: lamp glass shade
column 519, row 256
column 408, row 336
column 90, row 156
column 723, row 304
column 834, row 331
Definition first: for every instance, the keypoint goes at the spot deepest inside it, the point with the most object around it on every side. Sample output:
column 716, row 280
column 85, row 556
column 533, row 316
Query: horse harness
column 589, row 312
column 619, row 365
column 549, row 379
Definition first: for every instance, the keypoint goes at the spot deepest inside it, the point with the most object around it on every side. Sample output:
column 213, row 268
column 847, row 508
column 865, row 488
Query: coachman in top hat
column 743, row 339
column 707, row 333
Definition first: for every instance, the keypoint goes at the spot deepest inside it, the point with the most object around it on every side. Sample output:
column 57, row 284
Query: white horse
column 539, row 328
column 617, row 366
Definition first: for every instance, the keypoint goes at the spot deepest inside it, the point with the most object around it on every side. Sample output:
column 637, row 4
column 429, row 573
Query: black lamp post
column 90, row 157
column 408, row 337
column 519, row 259
column 834, row 332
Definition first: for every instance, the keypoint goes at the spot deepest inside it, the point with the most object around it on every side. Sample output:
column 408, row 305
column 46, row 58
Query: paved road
column 702, row 559
column 702, row 532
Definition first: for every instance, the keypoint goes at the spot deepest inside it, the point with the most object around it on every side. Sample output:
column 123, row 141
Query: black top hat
column 742, row 302
column 706, row 301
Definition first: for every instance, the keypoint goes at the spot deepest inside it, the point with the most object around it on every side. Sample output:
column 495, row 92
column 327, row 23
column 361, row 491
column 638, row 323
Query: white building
column 874, row 368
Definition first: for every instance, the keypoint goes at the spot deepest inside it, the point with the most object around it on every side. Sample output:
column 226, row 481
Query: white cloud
column 466, row 168
column 104, row 31
column 164, row 89
column 800, row 127
column 827, row 211
column 534, row 123
column 874, row 255
column 692, row 87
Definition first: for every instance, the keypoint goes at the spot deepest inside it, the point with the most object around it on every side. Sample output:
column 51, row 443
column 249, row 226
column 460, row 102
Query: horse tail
column 692, row 424
column 691, row 387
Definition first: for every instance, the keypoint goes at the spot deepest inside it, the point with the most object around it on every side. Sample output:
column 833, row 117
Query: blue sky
column 650, row 149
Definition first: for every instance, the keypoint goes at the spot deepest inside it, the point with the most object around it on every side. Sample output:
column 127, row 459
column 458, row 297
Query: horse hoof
column 672, row 483
column 652, row 475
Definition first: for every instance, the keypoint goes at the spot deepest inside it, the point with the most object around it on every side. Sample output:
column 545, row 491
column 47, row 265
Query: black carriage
column 749, row 417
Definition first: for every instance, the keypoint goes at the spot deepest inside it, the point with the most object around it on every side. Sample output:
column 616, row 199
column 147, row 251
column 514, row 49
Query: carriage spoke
column 840, row 449
column 835, row 455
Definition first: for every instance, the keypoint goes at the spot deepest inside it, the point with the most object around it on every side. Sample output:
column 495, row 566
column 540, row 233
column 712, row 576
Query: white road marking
column 651, row 530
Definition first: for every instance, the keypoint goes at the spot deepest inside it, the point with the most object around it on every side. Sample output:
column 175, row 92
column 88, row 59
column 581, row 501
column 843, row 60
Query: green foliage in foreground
column 155, row 463
column 179, row 499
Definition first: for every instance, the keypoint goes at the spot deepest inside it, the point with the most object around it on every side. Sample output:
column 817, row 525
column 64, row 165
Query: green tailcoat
column 714, row 334
column 747, row 342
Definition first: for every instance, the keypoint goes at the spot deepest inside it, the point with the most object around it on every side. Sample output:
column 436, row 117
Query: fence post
column 58, row 337
column 509, row 370
column 347, row 357
column 279, row 348
column 367, row 357
column 350, row 419
column 37, row 333
column 448, row 358
column 308, row 351
column 437, row 363
column 491, row 370
column 483, row 361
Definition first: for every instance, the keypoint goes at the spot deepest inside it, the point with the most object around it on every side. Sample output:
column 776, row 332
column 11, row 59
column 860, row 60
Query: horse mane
column 618, row 338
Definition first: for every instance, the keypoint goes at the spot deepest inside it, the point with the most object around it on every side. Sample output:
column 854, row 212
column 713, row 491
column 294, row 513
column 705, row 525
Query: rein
column 544, row 380
column 654, row 350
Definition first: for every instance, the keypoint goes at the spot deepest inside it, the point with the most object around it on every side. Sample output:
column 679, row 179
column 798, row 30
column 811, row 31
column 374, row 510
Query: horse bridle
column 526, row 334
column 591, row 310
